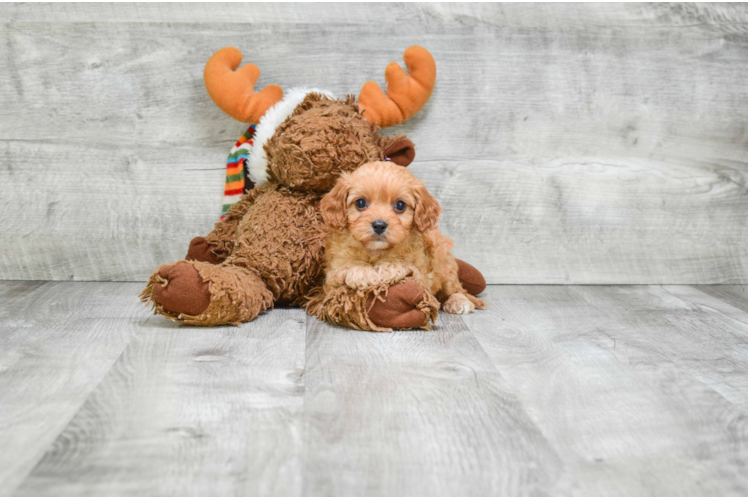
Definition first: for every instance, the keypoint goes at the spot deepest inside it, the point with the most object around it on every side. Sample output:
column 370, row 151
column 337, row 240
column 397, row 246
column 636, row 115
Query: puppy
column 383, row 230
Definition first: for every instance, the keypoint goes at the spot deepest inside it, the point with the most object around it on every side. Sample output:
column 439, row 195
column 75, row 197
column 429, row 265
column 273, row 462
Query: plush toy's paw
column 458, row 303
column 182, row 290
column 201, row 251
column 470, row 278
column 400, row 309
column 203, row 294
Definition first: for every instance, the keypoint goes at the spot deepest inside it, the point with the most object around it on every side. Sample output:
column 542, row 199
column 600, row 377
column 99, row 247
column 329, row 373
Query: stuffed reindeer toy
column 269, row 246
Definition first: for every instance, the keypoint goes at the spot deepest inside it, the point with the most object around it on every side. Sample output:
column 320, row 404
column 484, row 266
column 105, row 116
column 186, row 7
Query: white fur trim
column 273, row 117
column 232, row 200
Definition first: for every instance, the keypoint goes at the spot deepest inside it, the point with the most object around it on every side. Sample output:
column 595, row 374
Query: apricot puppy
column 383, row 230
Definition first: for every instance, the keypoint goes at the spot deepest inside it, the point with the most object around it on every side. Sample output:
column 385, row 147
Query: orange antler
column 234, row 90
column 406, row 93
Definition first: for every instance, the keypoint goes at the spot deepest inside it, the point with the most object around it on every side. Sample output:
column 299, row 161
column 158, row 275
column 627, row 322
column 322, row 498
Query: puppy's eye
column 400, row 206
column 361, row 203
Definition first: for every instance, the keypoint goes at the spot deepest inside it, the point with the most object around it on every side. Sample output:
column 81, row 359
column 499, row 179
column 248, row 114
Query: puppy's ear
column 333, row 206
column 427, row 210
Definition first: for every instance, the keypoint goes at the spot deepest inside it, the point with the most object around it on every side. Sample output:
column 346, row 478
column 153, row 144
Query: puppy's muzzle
column 379, row 226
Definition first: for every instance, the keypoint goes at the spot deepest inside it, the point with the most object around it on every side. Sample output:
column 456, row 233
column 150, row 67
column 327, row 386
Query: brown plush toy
column 269, row 247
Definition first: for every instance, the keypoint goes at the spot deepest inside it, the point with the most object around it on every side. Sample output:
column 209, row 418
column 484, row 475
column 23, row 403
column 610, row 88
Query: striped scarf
column 237, row 180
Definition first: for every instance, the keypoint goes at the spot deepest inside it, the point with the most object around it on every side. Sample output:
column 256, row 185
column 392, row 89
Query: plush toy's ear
column 427, row 210
column 333, row 205
column 400, row 151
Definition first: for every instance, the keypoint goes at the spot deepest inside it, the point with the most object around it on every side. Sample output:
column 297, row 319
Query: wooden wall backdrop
column 583, row 143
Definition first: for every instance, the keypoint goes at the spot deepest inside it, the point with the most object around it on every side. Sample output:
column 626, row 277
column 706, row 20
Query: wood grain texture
column 415, row 413
column 568, row 144
column 57, row 341
column 735, row 295
column 509, row 14
column 638, row 388
column 552, row 390
column 90, row 223
column 717, row 344
column 189, row 411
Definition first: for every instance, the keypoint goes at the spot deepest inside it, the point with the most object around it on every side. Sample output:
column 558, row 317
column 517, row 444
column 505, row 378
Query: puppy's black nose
column 379, row 226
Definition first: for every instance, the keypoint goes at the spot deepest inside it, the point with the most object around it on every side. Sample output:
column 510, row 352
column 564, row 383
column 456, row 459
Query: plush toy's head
column 322, row 138
column 307, row 138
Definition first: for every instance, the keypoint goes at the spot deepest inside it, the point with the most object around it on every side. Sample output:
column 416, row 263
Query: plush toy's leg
column 380, row 308
column 470, row 278
column 219, row 243
column 199, row 293
column 201, row 251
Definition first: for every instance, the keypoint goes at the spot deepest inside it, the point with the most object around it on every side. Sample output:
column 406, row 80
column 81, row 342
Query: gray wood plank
column 189, row 411
column 585, row 143
column 222, row 12
column 57, row 341
column 735, row 295
column 574, row 221
column 510, row 14
column 627, row 383
column 133, row 243
column 119, row 226
column 704, row 337
column 720, row 342
column 415, row 413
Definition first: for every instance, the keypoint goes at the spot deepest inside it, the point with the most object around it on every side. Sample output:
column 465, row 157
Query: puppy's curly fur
column 383, row 230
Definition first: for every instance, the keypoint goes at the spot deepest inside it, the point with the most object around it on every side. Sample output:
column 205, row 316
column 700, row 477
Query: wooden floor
column 584, row 390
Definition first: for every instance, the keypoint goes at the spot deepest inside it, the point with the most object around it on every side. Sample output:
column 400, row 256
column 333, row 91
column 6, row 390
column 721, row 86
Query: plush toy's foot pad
column 181, row 290
column 204, row 294
column 380, row 308
column 470, row 278
column 402, row 308
column 201, row 251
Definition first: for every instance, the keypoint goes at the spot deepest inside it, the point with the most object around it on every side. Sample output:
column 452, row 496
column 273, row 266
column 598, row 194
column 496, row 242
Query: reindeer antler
column 406, row 93
column 234, row 90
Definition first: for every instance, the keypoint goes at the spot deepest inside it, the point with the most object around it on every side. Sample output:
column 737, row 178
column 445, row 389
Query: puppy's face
column 379, row 204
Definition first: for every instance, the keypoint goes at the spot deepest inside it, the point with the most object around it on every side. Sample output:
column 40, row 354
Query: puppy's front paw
column 394, row 273
column 458, row 303
column 361, row 277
